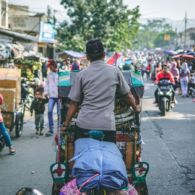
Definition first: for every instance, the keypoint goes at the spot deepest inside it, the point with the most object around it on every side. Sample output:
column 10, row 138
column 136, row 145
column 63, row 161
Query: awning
column 73, row 54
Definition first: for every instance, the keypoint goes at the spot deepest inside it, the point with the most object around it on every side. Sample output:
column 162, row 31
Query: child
column 38, row 105
column 4, row 132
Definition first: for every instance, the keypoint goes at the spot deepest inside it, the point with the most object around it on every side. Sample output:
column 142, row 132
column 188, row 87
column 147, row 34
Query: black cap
column 164, row 65
column 94, row 48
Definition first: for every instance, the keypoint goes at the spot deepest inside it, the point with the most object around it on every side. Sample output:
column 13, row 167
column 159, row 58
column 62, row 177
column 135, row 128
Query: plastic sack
column 100, row 158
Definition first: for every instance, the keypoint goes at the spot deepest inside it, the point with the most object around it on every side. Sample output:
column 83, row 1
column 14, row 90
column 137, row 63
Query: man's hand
column 65, row 126
column 46, row 96
column 137, row 108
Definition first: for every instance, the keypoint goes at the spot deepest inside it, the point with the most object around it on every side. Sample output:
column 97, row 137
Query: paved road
column 169, row 148
column 34, row 153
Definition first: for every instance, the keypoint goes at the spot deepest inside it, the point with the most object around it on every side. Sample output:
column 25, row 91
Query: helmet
column 1, row 99
column 94, row 48
column 28, row 191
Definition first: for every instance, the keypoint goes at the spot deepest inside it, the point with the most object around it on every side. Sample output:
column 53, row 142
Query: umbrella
column 170, row 52
column 191, row 53
column 186, row 56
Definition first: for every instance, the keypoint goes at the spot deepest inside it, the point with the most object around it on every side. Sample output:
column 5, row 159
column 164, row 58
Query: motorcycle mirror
column 28, row 191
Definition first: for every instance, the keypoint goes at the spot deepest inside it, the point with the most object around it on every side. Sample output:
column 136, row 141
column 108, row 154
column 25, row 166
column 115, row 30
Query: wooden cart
column 12, row 110
column 127, row 140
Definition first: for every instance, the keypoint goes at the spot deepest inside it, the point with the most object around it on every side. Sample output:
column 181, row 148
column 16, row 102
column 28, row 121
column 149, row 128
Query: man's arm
column 73, row 108
column 131, row 102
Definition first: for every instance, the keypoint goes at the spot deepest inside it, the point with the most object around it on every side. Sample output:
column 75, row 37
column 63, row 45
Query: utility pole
column 185, row 32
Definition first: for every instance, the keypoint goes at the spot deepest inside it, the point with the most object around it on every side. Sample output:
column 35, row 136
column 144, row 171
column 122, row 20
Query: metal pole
column 185, row 32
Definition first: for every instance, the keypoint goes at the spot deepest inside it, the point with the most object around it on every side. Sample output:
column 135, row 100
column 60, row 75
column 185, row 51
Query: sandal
column 12, row 150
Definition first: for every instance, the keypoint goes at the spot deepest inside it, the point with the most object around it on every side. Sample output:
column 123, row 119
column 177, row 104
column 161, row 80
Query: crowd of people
column 181, row 70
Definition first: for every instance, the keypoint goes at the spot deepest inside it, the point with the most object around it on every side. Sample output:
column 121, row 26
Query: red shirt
column 167, row 75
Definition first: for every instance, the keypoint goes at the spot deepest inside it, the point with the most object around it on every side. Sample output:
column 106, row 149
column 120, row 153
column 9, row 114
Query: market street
column 169, row 149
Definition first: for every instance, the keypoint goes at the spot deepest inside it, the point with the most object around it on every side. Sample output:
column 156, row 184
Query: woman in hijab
column 175, row 72
column 184, row 79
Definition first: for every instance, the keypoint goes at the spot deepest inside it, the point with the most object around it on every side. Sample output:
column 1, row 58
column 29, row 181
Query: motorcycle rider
column 94, row 91
column 165, row 74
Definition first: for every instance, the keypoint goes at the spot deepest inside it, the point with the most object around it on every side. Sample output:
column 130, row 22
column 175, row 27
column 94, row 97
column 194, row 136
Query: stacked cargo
column 10, row 88
column 11, row 91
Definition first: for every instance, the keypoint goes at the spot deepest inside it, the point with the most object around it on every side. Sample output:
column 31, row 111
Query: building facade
column 4, row 14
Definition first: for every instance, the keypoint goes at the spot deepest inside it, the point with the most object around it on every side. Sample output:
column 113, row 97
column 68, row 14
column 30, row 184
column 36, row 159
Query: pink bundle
column 70, row 188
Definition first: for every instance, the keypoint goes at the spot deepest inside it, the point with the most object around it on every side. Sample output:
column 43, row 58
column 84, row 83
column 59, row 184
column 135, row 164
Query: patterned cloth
column 71, row 189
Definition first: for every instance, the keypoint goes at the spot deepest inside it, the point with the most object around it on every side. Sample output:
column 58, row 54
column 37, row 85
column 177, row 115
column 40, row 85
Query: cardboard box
column 10, row 78
column 9, row 96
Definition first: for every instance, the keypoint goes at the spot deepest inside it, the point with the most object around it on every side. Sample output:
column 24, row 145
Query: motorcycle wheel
column 142, row 189
column 56, row 188
column 163, row 108
column 2, row 143
column 19, row 125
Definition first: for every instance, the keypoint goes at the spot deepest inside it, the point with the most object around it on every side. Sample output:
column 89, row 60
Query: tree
column 155, row 33
column 108, row 20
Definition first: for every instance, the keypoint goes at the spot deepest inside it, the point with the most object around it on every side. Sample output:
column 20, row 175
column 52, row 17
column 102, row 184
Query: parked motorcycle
column 2, row 142
column 191, row 86
column 165, row 95
column 26, row 93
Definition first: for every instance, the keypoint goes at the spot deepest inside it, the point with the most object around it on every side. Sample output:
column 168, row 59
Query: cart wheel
column 56, row 188
column 142, row 189
column 19, row 125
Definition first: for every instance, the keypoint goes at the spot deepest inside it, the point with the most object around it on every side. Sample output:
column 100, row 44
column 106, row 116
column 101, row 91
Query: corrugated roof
column 19, row 36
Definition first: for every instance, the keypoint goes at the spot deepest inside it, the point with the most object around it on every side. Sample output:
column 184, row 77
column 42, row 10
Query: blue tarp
column 92, row 157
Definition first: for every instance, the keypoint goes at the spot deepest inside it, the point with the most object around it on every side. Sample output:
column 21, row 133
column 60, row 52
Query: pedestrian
column 51, row 91
column 148, row 71
column 184, row 79
column 75, row 65
column 38, row 106
column 4, row 131
column 175, row 72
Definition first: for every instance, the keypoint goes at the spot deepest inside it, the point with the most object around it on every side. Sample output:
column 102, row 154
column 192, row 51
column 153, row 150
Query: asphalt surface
column 29, row 167
column 169, row 148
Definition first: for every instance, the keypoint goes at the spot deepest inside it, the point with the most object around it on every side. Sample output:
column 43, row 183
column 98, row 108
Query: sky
column 172, row 9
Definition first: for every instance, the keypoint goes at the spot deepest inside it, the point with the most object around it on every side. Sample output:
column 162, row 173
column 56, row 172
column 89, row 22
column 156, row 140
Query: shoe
column 176, row 102
column 41, row 133
column 12, row 150
column 49, row 133
column 37, row 132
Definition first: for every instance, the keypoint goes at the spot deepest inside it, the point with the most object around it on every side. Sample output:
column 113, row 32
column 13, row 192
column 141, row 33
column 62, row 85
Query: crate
column 9, row 96
column 10, row 78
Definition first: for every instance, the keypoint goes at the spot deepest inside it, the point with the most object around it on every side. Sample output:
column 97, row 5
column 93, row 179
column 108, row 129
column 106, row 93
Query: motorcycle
column 165, row 94
column 191, row 86
column 2, row 142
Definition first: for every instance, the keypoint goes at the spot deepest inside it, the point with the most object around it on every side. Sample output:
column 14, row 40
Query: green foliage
column 108, row 20
column 153, row 33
